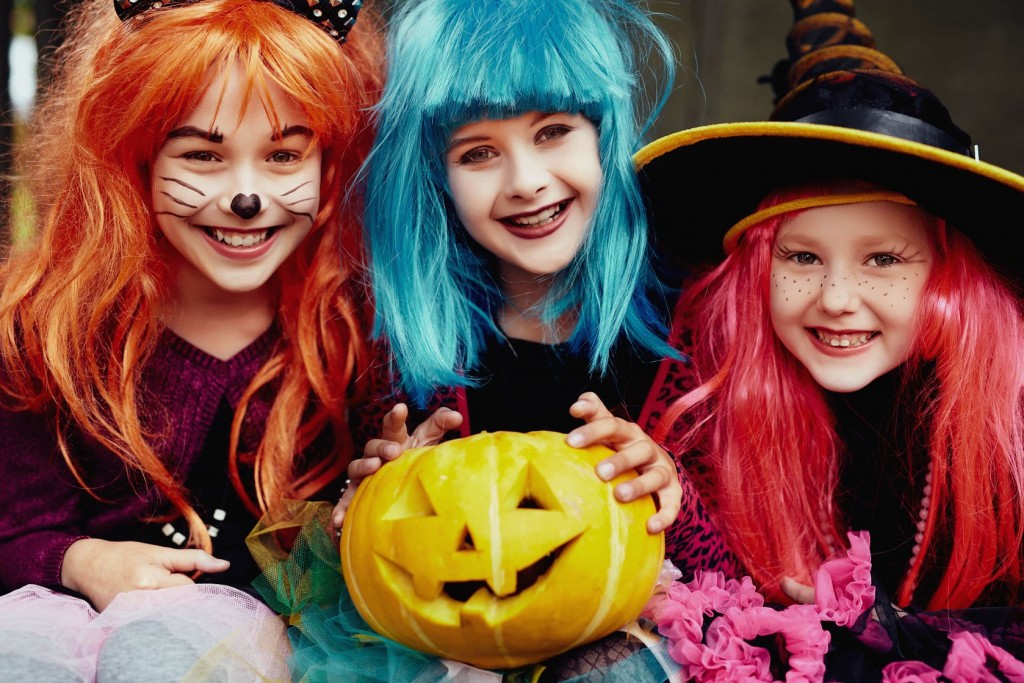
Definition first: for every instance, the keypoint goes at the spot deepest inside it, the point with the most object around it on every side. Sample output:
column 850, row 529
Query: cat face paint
column 846, row 284
column 235, row 199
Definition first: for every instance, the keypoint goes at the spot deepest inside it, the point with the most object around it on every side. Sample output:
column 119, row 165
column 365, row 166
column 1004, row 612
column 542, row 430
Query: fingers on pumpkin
column 360, row 468
column 589, row 407
column 393, row 424
column 433, row 429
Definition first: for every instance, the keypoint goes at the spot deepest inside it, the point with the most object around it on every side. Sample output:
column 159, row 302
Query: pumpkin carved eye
column 465, row 549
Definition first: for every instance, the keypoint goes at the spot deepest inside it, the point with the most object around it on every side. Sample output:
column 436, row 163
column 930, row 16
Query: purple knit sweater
column 43, row 510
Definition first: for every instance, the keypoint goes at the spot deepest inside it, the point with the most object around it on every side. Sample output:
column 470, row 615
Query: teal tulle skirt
column 332, row 642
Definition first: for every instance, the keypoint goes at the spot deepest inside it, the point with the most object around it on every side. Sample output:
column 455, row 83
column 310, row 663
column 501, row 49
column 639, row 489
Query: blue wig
column 454, row 62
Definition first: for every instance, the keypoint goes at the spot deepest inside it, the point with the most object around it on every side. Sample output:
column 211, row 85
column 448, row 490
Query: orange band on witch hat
column 732, row 236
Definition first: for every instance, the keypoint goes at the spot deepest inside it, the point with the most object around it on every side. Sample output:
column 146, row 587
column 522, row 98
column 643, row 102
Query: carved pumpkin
column 498, row 549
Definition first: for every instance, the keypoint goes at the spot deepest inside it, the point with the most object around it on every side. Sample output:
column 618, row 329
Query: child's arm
column 634, row 450
column 395, row 440
column 40, row 506
column 100, row 570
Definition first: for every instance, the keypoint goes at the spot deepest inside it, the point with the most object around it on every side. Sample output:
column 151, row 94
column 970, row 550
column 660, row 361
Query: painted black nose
column 246, row 205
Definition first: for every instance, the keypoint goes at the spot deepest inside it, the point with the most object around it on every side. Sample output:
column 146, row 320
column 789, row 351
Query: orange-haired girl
column 180, row 341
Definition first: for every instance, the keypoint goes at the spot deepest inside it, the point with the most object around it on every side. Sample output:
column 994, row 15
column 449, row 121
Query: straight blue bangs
column 491, row 59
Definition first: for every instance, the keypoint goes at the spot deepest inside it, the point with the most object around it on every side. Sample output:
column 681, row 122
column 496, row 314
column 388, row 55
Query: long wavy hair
column 452, row 62
column 81, row 302
column 759, row 424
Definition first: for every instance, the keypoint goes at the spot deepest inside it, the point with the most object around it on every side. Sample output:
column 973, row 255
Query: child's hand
column 799, row 593
column 100, row 569
column 634, row 450
column 395, row 440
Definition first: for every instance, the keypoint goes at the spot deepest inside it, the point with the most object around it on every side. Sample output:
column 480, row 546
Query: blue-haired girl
column 508, row 238
column 510, row 259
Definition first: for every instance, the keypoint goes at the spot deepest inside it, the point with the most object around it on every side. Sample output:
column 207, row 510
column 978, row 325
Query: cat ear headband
column 335, row 16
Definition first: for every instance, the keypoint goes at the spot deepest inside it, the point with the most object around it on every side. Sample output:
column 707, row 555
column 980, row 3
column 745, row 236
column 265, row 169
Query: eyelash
column 200, row 156
column 560, row 128
column 795, row 256
column 477, row 155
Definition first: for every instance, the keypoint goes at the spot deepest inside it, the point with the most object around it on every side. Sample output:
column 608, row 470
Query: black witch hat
column 844, row 110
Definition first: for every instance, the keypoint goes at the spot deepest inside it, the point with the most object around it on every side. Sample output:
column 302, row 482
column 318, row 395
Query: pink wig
column 759, row 425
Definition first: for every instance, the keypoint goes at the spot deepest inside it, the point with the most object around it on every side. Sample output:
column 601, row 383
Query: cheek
column 898, row 300
column 466, row 195
column 177, row 194
column 792, row 292
column 582, row 170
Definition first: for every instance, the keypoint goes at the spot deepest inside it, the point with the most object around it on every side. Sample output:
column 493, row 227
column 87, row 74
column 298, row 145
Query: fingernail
column 654, row 526
column 624, row 491
column 605, row 470
column 574, row 439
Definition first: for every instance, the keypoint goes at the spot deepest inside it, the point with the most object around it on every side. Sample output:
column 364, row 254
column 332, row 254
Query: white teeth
column 545, row 216
column 247, row 240
column 844, row 340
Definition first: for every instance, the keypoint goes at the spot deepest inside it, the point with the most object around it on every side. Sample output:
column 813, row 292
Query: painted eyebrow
column 289, row 131
column 217, row 137
column 193, row 132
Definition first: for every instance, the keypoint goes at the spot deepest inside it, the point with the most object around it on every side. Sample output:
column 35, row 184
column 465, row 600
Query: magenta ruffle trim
column 711, row 621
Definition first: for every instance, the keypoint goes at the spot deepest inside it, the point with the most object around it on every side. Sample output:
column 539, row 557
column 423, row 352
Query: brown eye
column 477, row 155
column 284, row 157
column 199, row 156
column 884, row 260
column 804, row 258
column 554, row 132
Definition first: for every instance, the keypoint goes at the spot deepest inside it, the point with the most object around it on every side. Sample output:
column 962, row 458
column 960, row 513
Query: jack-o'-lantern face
column 498, row 549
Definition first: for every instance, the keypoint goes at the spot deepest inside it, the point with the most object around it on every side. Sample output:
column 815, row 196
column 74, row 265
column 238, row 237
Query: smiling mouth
column 239, row 239
column 538, row 219
column 843, row 339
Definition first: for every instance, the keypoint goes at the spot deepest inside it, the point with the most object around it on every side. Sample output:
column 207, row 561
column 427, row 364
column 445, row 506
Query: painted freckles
column 845, row 285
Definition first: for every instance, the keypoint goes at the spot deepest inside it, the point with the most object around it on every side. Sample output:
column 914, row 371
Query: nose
column 240, row 194
column 839, row 294
column 245, row 205
column 527, row 174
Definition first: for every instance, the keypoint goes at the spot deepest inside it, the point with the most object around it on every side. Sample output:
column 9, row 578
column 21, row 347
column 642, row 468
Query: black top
column 530, row 386
column 881, row 478
column 219, row 506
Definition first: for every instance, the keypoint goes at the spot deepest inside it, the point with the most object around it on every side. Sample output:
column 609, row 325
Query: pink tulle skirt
column 206, row 631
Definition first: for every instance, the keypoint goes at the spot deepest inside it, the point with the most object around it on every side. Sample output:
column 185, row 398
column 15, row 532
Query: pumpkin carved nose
column 246, row 206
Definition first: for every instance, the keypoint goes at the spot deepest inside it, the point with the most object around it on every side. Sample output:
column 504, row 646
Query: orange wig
column 81, row 303
column 761, row 429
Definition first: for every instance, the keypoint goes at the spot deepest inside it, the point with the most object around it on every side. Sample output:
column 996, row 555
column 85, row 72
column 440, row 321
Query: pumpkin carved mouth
column 462, row 591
